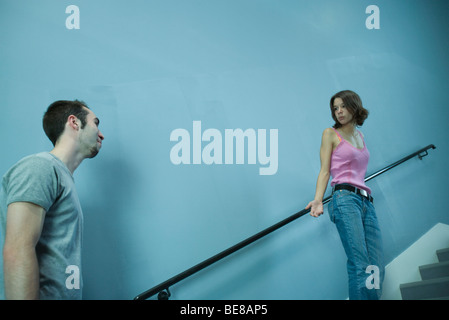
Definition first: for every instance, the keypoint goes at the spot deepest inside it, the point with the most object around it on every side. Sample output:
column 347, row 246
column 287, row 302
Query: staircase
column 435, row 281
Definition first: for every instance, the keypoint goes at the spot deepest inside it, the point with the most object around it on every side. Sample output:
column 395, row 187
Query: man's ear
column 73, row 122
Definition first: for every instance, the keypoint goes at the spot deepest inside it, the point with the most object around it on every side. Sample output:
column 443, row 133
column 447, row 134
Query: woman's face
column 342, row 113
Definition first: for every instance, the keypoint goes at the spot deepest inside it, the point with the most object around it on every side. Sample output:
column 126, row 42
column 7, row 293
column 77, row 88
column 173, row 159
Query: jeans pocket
column 342, row 193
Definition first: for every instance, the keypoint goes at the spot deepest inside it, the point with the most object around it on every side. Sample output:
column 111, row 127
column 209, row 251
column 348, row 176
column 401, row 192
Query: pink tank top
column 349, row 164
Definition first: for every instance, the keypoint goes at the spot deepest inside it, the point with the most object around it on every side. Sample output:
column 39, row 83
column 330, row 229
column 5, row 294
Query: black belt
column 361, row 192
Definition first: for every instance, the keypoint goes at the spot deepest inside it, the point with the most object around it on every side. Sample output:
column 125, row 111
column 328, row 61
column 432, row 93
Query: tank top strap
column 338, row 134
column 361, row 136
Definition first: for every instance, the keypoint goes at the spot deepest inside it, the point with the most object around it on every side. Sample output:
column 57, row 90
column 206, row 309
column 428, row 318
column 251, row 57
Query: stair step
column 425, row 289
column 443, row 254
column 434, row 270
column 439, row 298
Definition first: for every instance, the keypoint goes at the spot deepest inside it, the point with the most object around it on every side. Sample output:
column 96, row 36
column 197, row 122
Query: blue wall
column 151, row 67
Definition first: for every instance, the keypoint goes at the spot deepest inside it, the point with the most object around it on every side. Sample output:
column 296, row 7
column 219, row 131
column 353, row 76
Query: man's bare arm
column 20, row 266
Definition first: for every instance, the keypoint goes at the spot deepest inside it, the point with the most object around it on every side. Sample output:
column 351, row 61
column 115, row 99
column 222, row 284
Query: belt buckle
column 364, row 193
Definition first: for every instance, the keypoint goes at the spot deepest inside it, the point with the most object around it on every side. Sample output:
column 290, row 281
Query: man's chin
column 93, row 153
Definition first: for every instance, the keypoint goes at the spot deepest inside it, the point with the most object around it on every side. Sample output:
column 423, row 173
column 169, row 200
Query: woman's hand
column 316, row 208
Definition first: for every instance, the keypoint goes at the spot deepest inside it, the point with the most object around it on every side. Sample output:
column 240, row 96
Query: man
column 40, row 213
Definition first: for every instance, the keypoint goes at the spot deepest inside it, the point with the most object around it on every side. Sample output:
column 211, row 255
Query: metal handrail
column 163, row 288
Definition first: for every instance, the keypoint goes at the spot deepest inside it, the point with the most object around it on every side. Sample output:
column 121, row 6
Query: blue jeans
column 356, row 222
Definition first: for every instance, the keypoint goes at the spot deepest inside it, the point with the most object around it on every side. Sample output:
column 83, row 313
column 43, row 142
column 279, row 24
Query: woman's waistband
column 356, row 190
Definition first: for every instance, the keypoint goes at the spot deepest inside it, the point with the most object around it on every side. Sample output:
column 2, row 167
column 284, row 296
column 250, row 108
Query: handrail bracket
column 164, row 294
column 420, row 156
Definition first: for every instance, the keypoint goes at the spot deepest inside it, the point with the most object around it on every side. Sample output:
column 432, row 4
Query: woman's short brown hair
column 353, row 103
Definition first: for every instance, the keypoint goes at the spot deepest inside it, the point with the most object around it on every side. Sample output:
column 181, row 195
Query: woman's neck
column 349, row 129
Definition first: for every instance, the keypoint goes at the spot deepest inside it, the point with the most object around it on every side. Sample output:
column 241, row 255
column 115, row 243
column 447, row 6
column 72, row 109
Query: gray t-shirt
column 45, row 180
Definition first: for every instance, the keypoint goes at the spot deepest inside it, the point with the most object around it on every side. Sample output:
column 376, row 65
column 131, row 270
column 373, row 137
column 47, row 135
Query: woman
column 344, row 156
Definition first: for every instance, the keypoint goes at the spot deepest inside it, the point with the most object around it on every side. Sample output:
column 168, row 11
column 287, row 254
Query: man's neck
column 68, row 156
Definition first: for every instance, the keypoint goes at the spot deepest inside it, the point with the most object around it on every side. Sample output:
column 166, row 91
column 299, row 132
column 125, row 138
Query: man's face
column 90, row 136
